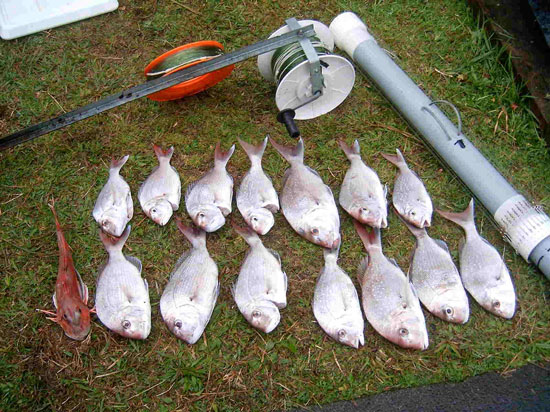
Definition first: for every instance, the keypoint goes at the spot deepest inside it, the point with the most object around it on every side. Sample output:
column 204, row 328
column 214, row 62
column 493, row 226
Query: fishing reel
column 310, row 80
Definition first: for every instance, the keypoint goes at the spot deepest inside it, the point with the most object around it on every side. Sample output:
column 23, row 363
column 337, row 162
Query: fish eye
column 255, row 219
column 496, row 303
column 256, row 314
column 178, row 323
column 153, row 210
column 403, row 332
column 126, row 324
column 341, row 333
column 404, row 304
column 201, row 214
column 315, row 231
column 413, row 213
column 65, row 316
column 449, row 311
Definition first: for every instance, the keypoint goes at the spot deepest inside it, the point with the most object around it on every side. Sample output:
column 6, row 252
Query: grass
column 234, row 367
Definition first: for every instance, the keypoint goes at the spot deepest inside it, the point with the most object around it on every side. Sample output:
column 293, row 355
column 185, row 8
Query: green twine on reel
column 288, row 57
column 183, row 58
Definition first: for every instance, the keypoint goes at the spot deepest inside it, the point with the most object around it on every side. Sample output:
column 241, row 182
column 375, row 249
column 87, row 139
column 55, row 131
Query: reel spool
column 180, row 58
column 289, row 68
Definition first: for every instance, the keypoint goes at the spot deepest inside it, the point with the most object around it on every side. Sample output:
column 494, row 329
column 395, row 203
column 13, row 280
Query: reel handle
column 287, row 118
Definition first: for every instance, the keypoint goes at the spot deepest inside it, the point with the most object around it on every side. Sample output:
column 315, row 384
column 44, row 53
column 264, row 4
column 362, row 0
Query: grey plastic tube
column 526, row 227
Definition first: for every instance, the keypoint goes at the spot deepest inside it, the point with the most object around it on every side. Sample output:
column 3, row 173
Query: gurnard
column 307, row 203
column 160, row 194
column 122, row 295
column 436, row 279
column 189, row 298
column 410, row 198
column 260, row 289
column 257, row 199
column 114, row 207
column 362, row 194
column 208, row 200
column 71, row 293
column 336, row 303
column 389, row 301
column 483, row 271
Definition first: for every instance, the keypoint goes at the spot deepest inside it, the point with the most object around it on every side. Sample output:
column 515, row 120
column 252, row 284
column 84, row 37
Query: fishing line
column 183, row 58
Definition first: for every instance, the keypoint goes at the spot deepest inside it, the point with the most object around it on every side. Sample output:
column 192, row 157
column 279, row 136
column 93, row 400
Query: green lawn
column 439, row 43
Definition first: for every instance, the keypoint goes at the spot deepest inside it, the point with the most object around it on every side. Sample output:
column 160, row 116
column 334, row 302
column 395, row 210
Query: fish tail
column 249, row 235
column 291, row 154
column 113, row 243
column 463, row 219
column 116, row 164
column 64, row 248
column 195, row 236
column 163, row 155
column 370, row 238
column 220, row 157
column 254, row 153
column 352, row 151
column 397, row 159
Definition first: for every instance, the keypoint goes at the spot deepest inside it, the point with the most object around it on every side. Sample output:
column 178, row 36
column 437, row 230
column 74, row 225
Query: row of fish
column 390, row 299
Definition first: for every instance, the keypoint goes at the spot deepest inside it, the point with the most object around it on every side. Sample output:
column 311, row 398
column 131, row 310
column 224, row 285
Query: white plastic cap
column 349, row 32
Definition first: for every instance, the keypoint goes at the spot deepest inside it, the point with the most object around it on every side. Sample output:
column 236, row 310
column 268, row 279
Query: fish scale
column 482, row 269
column 188, row 299
column 336, row 303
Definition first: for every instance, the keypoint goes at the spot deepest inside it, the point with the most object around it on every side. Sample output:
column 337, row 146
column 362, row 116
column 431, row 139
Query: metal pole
column 526, row 227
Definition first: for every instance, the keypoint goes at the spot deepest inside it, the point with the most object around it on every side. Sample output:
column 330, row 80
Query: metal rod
column 154, row 86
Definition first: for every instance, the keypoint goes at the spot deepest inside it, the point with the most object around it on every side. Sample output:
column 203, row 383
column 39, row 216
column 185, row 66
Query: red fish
column 71, row 294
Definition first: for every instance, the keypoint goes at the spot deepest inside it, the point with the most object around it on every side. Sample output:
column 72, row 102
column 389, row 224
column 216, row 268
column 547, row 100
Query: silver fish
column 208, row 200
column 336, row 304
column 389, row 300
column 160, row 194
column 260, row 289
column 256, row 198
column 410, row 198
column 483, row 271
column 362, row 195
column 307, row 203
column 114, row 208
column 189, row 298
column 122, row 295
column 436, row 278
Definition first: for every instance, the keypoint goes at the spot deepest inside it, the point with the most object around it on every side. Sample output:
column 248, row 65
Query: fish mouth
column 78, row 335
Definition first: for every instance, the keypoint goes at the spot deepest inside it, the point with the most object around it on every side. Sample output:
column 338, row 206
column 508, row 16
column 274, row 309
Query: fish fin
column 254, row 153
column 413, row 290
column 101, row 269
column 163, row 155
column 134, row 261
column 463, row 218
column 442, row 245
column 146, row 285
column 315, row 172
column 82, row 288
column 290, row 154
column 386, row 192
column 396, row 159
column 362, row 268
column 194, row 235
column 220, row 157
column 232, row 289
column 112, row 242
column 116, row 164
column 285, row 177
column 274, row 253
column 286, row 281
column 352, row 151
column 180, row 261
column 129, row 206
column 393, row 262
column 54, row 299
column 249, row 235
column 372, row 237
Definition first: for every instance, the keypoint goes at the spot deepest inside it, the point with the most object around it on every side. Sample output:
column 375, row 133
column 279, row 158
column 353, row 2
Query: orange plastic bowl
column 192, row 86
